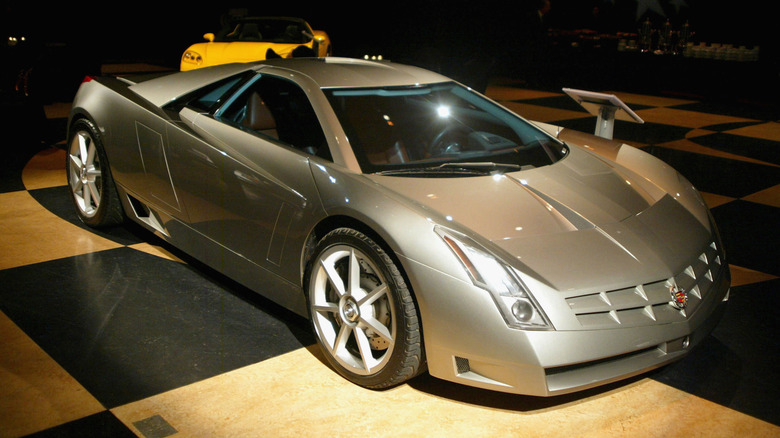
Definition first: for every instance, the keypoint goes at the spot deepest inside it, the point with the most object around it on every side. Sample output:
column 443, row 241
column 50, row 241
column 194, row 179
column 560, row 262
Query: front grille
column 648, row 304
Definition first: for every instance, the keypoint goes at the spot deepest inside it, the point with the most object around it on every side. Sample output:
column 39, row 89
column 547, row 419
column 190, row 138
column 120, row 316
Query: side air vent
column 462, row 365
column 146, row 215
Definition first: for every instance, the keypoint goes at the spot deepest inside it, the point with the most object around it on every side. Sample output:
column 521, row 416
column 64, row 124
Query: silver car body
column 598, row 238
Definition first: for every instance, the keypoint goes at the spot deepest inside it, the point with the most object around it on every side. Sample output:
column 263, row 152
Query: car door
column 245, row 175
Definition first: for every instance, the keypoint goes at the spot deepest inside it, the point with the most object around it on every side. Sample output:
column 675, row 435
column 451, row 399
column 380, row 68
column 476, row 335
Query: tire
column 92, row 188
column 366, row 325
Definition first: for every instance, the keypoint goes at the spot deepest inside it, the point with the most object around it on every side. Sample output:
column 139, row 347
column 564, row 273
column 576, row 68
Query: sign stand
column 606, row 106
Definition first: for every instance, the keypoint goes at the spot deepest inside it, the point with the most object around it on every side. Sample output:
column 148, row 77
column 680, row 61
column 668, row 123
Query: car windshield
column 270, row 30
column 440, row 129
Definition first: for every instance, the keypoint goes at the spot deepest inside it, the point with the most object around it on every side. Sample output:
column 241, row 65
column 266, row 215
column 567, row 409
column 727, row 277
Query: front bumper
column 467, row 341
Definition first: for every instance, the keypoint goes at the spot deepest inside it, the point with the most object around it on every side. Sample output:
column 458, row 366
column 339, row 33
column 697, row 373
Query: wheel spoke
column 365, row 350
column 75, row 163
column 354, row 273
column 378, row 328
column 83, row 153
column 86, row 195
column 76, row 186
column 91, row 151
column 94, row 193
column 326, row 308
column 75, row 166
column 340, row 343
column 334, row 277
column 373, row 295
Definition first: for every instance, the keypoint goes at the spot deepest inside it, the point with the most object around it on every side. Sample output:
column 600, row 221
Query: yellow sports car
column 248, row 39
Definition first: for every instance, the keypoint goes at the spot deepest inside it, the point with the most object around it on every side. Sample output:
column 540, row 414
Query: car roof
column 334, row 72
column 330, row 72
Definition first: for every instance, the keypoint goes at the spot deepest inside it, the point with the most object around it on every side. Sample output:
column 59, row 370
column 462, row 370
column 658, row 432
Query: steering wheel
column 450, row 140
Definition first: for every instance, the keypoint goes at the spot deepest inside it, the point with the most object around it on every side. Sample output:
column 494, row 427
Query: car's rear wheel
column 89, row 177
column 363, row 313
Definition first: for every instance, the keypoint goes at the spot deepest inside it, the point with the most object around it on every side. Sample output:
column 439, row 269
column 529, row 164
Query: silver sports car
column 418, row 224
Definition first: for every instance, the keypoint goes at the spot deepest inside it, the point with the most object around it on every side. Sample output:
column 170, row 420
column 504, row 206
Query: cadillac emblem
column 679, row 297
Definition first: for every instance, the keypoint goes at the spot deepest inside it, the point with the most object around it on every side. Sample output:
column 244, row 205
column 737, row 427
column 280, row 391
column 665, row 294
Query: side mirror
column 209, row 37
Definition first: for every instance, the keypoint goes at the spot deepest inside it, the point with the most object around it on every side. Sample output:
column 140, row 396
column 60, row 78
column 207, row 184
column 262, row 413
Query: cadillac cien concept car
column 417, row 223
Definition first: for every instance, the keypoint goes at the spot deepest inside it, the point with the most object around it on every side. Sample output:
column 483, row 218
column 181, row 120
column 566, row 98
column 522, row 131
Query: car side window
column 278, row 109
column 209, row 98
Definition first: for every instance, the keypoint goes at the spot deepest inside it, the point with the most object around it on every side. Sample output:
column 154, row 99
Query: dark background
column 153, row 28
column 484, row 36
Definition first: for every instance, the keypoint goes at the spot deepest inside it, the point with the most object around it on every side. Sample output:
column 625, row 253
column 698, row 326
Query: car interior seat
column 250, row 32
column 258, row 117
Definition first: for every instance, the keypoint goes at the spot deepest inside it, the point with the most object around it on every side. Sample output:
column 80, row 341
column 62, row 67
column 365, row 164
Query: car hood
column 244, row 51
column 573, row 224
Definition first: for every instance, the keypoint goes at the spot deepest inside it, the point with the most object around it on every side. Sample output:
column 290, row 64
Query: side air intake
column 146, row 215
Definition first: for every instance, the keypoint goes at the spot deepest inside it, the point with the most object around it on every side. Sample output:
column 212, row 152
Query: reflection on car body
column 418, row 224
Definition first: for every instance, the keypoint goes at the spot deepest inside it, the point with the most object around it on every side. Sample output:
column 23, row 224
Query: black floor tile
column 718, row 175
column 101, row 425
column 721, row 127
column 765, row 111
column 13, row 164
column 26, row 131
column 750, row 235
column 57, row 130
column 737, row 366
column 759, row 149
column 128, row 325
column 58, row 201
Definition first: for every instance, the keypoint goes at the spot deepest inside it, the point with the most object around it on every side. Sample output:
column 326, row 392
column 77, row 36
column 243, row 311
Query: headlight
column 493, row 275
column 191, row 57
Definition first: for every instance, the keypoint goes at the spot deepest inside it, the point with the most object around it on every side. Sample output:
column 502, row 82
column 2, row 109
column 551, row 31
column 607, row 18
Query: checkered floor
column 117, row 334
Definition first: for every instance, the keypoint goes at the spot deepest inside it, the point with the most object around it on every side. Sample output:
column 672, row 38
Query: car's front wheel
column 363, row 313
column 89, row 178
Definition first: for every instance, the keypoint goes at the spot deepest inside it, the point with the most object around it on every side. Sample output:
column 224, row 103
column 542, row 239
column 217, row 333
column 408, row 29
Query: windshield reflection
column 414, row 130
